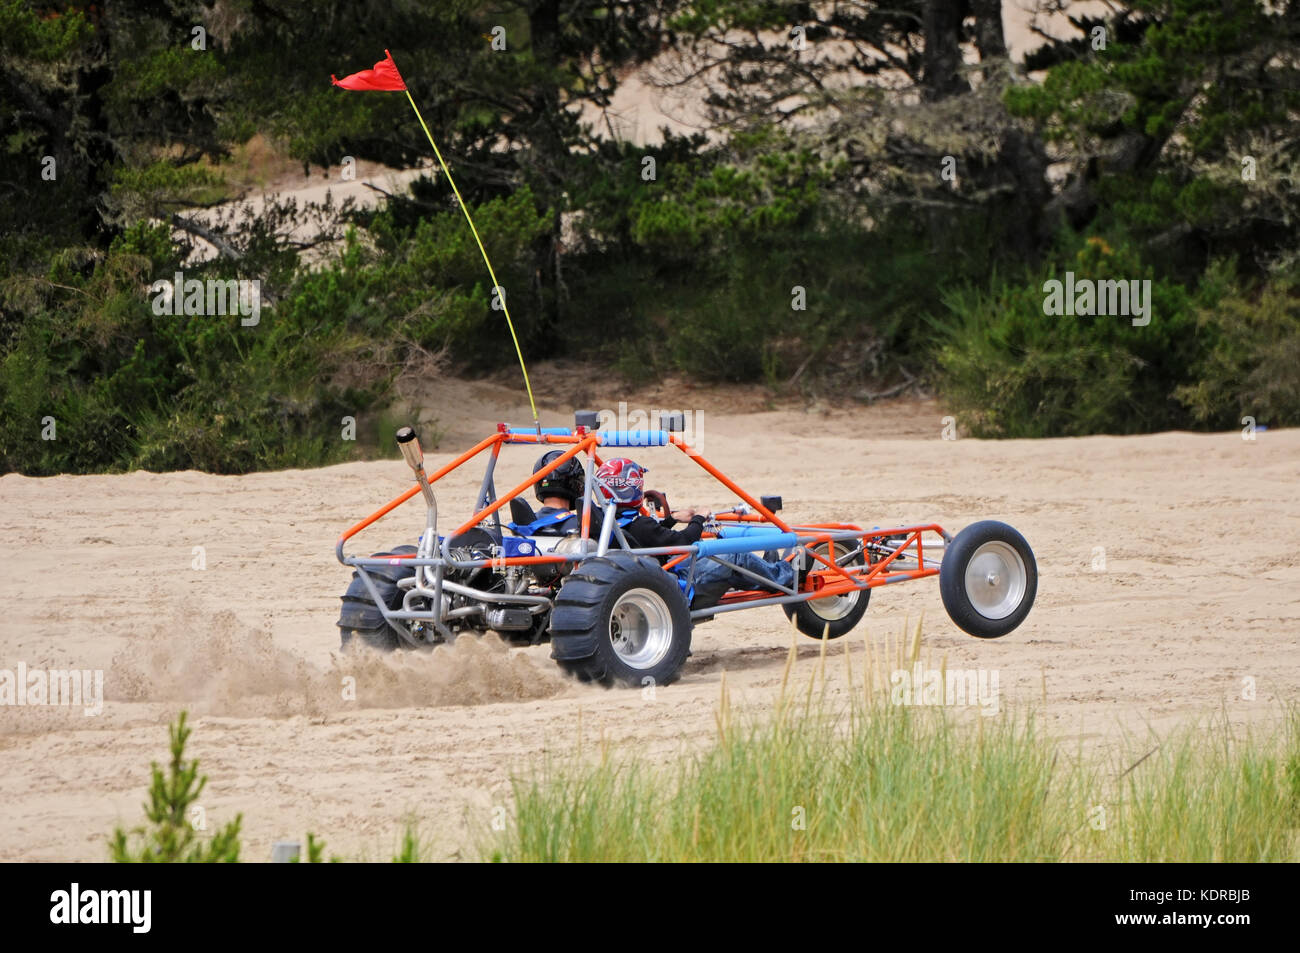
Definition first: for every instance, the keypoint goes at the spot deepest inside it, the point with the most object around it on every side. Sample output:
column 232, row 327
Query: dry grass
column 848, row 776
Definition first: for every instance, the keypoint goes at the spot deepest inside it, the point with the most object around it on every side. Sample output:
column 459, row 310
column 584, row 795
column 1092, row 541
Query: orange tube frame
column 876, row 574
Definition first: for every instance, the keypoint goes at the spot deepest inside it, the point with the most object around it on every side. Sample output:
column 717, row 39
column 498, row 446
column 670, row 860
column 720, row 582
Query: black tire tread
column 579, row 608
column 360, row 618
column 812, row 625
column 952, row 582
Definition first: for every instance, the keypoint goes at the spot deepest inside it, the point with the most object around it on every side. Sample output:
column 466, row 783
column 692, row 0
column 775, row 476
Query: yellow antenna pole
column 491, row 274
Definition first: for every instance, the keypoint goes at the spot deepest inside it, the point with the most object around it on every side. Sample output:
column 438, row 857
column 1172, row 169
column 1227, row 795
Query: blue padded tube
column 546, row 432
column 633, row 438
column 746, row 544
column 731, row 531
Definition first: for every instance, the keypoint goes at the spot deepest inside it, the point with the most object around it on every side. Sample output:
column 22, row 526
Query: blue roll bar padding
column 633, row 438
column 546, row 432
column 608, row 438
column 728, row 532
column 746, row 544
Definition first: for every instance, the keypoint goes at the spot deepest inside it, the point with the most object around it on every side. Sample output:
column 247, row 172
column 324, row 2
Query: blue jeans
column 712, row 574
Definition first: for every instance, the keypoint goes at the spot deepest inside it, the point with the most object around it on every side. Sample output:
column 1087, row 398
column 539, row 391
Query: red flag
column 383, row 77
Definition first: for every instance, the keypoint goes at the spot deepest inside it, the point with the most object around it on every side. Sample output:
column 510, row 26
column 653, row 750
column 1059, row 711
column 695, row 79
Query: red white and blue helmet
column 622, row 481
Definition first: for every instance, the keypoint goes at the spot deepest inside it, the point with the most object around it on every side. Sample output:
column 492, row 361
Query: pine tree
column 171, row 837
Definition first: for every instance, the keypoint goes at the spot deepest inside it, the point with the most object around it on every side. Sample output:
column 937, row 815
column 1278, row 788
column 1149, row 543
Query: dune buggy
column 615, row 613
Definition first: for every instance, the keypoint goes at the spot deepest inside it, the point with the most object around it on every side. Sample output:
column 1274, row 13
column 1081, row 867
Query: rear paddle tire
column 621, row 619
column 360, row 618
column 988, row 579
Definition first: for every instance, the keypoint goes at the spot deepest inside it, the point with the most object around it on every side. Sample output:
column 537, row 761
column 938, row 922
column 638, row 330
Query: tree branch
column 215, row 239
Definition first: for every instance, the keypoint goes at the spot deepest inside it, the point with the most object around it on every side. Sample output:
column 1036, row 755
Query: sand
column 1169, row 574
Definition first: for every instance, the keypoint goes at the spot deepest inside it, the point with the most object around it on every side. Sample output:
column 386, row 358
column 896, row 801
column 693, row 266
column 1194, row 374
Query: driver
column 623, row 481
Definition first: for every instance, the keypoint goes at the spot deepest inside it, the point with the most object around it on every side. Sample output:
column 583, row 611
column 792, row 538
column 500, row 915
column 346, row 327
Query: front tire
column 834, row 615
column 988, row 579
column 621, row 619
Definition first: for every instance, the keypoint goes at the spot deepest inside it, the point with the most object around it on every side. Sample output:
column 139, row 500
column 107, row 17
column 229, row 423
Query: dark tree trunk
column 1024, row 165
column 989, row 39
column 941, row 76
column 544, row 37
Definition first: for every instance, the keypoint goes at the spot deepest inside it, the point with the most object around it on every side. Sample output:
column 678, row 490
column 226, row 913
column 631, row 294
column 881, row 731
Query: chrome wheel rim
column 640, row 628
column 833, row 608
column 996, row 580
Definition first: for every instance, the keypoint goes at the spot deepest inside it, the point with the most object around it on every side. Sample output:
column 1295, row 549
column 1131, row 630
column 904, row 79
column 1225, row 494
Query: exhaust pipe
column 409, row 444
column 413, row 454
column 414, row 457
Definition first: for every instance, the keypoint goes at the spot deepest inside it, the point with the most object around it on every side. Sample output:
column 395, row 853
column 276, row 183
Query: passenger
column 560, row 493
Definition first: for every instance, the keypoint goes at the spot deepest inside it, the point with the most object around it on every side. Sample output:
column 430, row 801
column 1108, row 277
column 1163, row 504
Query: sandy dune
column 1200, row 589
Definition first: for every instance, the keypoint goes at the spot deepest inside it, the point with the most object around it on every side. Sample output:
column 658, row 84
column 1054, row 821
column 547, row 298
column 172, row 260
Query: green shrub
column 172, row 837
column 1008, row 369
column 426, row 281
column 126, row 388
column 1251, row 366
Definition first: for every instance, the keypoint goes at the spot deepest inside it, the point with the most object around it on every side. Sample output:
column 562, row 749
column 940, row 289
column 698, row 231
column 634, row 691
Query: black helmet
column 568, row 480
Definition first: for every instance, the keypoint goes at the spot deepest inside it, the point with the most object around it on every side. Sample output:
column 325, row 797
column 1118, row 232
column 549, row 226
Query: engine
column 512, row 600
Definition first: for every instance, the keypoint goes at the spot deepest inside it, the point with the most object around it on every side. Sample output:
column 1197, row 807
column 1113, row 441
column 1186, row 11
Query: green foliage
column 167, row 70
column 692, row 271
column 151, row 241
column 877, row 782
column 315, row 849
column 864, row 294
column 137, row 121
column 128, row 388
column 1147, row 86
column 160, row 187
column 316, row 852
column 410, row 849
column 172, row 838
column 1251, row 363
column 701, row 15
column 1009, row 369
column 1208, row 797
column 42, row 38
column 892, row 785
column 724, row 235
column 1163, row 122
column 422, row 280
column 760, row 188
